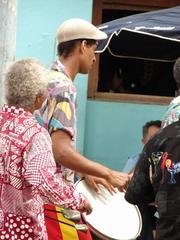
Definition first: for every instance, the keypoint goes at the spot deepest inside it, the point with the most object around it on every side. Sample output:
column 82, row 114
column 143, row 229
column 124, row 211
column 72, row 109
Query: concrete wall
column 114, row 130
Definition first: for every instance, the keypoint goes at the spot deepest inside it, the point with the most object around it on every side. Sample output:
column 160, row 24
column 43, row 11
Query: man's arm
column 69, row 157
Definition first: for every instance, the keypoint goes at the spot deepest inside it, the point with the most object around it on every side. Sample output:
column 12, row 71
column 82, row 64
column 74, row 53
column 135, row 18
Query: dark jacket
column 157, row 178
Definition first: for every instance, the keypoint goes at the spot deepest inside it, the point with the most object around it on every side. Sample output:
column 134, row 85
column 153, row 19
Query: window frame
column 138, row 5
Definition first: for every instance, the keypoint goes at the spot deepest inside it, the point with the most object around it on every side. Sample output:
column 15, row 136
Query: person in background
column 28, row 173
column 148, row 131
column 157, row 174
column 76, row 46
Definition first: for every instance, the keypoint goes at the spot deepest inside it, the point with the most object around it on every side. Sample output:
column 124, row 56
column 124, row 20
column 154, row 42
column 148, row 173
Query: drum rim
column 99, row 234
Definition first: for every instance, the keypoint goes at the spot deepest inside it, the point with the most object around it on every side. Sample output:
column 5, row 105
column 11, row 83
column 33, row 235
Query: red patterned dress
column 28, row 177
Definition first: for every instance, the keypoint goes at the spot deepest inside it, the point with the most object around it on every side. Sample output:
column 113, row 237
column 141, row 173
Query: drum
column 112, row 218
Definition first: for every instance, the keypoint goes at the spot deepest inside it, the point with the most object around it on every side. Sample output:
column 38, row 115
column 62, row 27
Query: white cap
column 76, row 28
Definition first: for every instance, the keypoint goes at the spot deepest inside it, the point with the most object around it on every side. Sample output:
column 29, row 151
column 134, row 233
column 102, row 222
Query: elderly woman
column 28, row 176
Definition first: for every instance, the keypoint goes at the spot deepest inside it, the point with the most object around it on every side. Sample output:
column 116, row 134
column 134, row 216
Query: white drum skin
column 112, row 218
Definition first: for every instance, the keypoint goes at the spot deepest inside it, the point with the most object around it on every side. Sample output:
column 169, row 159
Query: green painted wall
column 114, row 130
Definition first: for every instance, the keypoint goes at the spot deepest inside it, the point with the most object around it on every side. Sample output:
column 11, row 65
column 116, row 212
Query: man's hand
column 119, row 180
column 93, row 182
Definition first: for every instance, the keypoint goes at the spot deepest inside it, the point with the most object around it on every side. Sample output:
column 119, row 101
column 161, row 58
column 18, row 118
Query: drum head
column 112, row 217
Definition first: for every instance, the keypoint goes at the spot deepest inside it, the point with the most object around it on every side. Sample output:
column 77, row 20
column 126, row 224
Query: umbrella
column 152, row 35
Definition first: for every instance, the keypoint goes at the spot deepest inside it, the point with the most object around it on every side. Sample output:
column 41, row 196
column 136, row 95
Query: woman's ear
column 39, row 100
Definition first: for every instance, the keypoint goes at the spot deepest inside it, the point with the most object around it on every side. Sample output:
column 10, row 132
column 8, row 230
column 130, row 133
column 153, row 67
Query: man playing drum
column 76, row 45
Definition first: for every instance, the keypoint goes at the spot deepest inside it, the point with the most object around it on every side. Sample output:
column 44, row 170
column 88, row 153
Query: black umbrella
column 152, row 35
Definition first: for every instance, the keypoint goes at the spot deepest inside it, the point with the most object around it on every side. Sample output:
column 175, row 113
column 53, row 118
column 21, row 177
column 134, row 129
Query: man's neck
column 71, row 66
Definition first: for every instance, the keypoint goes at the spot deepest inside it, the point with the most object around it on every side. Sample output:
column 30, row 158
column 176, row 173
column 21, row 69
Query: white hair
column 24, row 81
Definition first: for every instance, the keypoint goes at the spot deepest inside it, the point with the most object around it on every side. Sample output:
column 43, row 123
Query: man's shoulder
column 59, row 80
column 58, row 76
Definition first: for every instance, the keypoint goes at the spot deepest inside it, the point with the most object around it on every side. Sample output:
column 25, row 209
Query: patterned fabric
column 59, row 111
column 28, row 177
column 173, row 112
column 157, row 178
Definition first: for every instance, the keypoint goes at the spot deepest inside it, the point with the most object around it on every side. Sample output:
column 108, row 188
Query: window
column 133, row 76
column 126, row 79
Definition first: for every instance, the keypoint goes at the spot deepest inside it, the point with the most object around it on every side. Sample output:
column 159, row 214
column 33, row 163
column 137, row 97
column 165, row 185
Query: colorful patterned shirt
column 173, row 112
column 59, row 111
column 28, row 177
